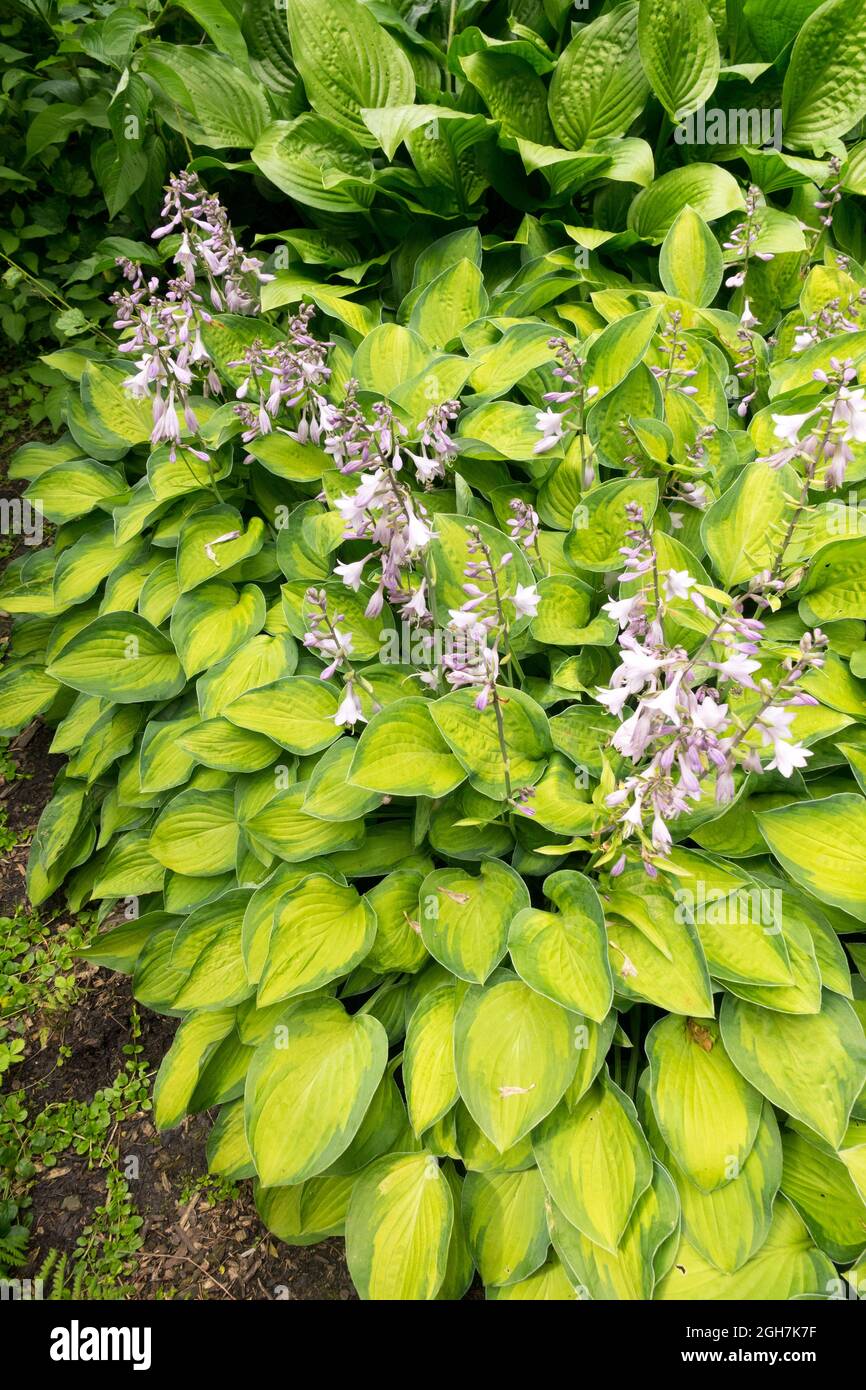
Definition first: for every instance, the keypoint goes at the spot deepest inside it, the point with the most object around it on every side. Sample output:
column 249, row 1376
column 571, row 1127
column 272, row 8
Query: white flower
column 738, row 668
column 526, row 599
column 851, row 407
column 551, row 425
column 418, row 533
column 788, row 756
column 621, row 609
column 678, row 583
column 787, row 427
column 709, row 715
column 351, row 574
column 613, row 699
column 349, row 711
column 747, row 318
column 665, row 702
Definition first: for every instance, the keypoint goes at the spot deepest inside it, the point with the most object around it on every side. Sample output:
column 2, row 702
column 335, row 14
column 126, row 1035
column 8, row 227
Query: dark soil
column 191, row 1249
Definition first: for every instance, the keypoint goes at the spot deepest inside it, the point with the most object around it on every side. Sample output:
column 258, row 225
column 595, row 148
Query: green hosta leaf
column 515, row 1056
column 398, row 944
column 25, row 691
column 825, row 86
column 119, row 418
column 283, row 828
column 512, row 92
column 218, row 744
column 195, row 1042
column 402, row 753
column 813, row 1066
column 506, row 1224
column 329, row 794
column 347, row 62
column 818, row 843
column 707, row 1113
column 729, row 1226
column 75, row 489
column 550, row 1284
column 465, row 920
column 655, row 954
column 197, row 833
column 627, row 1273
column 835, row 586
column 600, row 522
column 122, row 658
column 206, row 96
column 228, row 1153
column 161, row 764
column 448, row 303
column 298, row 713
column 679, row 52
column 564, row 955
column 473, row 737
column 212, row 542
column 707, row 188
column 387, row 357
column 788, row 1266
column 260, row 661
column 208, row 950
column 690, row 261
column 308, row 1088
column 821, row 1189
column 321, row 931
column 210, row 623
column 398, row 1228
column 318, row 164
column 598, row 86
column 744, row 530
column 428, row 1059
column 618, row 349
column 259, row 913
column 595, row 1162
column 130, row 868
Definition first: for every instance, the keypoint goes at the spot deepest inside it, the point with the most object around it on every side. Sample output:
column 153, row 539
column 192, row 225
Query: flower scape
column 455, row 625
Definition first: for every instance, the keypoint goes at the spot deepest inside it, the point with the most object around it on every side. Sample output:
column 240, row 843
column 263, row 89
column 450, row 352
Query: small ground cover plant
column 454, row 625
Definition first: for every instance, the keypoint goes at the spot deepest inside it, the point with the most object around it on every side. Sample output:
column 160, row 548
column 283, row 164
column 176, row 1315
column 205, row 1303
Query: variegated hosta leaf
column 308, row 1087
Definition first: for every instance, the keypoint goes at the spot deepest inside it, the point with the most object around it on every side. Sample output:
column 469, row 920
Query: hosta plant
column 461, row 669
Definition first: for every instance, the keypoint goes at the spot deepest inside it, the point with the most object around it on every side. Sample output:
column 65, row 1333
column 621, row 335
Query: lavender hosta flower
column 836, row 424
column 743, row 240
column 553, row 424
column 382, row 507
column 208, row 246
column 683, row 729
column 437, row 448
column 334, row 646
column 524, row 525
column 287, row 376
column 674, row 376
column 165, row 329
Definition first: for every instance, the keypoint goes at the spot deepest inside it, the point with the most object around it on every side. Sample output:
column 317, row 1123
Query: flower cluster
column 743, row 240
column 287, row 376
column 674, row 376
column 382, row 507
column 685, row 728
column 208, row 247
column 165, row 330
column 553, row 424
column 325, row 636
column 833, row 426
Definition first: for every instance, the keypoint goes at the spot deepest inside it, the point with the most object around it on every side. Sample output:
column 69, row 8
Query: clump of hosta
column 458, row 655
